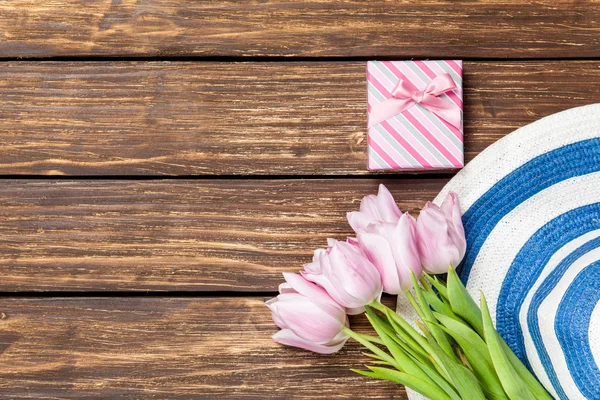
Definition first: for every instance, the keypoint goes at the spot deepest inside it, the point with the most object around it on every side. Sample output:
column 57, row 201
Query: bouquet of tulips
column 451, row 351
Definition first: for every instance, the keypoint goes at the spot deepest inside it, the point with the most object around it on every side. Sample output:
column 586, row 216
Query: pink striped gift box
column 415, row 115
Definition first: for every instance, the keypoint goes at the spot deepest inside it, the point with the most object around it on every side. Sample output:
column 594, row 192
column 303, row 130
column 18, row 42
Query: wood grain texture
column 152, row 118
column 231, row 235
column 378, row 28
column 158, row 348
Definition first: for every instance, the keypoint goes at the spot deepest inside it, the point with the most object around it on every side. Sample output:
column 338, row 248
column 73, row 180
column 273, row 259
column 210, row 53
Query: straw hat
column 531, row 211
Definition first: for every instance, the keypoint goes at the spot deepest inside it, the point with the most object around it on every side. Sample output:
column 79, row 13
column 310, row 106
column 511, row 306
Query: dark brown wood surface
column 374, row 29
column 184, row 181
column 183, row 235
column 193, row 118
column 166, row 348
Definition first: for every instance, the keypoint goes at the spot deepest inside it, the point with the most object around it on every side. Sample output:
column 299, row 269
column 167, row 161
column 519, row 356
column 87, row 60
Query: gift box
column 415, row 115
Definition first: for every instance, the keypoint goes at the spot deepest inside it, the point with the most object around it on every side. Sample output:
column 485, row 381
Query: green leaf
column 421, row 386
column 462, row 303
column 476, row 353
column 438, row 305
column 425, row 284
column 461, row 377
column 415, row 305
column 400, row 324
column 385, row 330
column 530, row 380
column 372, row 339
column 452, row 370
column 513, row 385
column 464, row 306
column 374, row 356
column 417, row 354
column 435, row 375
column 440, row 336
column 382, row 363
column 406, row 331
column 376, row 350
column 396, row 351
column 400, row 337
column 438, row 285
column 408, row 364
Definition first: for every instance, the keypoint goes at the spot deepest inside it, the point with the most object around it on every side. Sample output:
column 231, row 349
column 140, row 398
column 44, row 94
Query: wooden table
column 164, row 161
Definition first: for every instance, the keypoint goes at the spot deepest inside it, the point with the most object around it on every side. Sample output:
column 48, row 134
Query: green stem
column 372, row 339
column 425, row 283
column 378, row 306
column 415, row 305
column 376, row 350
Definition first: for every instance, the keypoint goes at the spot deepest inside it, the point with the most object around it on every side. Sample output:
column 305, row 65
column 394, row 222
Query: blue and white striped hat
column 531, row 211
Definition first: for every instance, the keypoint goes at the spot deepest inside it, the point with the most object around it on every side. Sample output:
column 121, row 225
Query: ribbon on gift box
column 403, row 98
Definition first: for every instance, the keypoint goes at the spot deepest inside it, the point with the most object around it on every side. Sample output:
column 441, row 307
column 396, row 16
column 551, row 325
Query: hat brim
column 531, row 211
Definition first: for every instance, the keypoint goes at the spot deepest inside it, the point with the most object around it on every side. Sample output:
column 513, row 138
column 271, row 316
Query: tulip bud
column 380, row 208
column 392, row 248
column 346, row 273
column 441, row 236
column 308, row 317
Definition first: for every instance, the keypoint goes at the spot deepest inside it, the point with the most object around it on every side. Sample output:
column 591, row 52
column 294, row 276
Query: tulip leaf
column 439, row 335
column 462, row 303
column 476, row 352
column 421, row 386
column 372, row 339
column 464, row 306
column 438, row 305
column 438, row 285
column 408, row 364
column 460, row 377
column 530, row 380
column 513, row 385
column 381, row 363
column 439, row 379
column 401, row 325
column 416, row 306
column 400, row 338
column 417, row 354
column 425, row 284
column 374, row 356
column 376, row 350
column 407, row 332
column 452, row 370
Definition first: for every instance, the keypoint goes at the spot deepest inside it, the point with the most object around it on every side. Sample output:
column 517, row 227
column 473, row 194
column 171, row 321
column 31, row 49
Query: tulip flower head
column 441, row 236
column 392, row 248
column 346, row 273
column 308, row 316
column 380, row 208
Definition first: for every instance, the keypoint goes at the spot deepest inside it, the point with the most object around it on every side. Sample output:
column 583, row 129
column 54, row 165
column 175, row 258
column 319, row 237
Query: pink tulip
column 392, row 248
column 346, row 273
column 441, row 236
column 380, row 208
column 308, row 317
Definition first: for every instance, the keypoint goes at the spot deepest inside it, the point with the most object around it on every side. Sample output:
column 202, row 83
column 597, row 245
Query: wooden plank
column 176, row 348
column 152, row 118
column 351, row 28
column 233, row 235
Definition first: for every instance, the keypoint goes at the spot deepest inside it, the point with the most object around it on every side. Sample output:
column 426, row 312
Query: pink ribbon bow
column 403, row 98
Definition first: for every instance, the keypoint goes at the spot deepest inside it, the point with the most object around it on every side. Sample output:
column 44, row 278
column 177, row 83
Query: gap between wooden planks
column 176, row 348
column 176, row 235
column 377, row 28
column 295, row 118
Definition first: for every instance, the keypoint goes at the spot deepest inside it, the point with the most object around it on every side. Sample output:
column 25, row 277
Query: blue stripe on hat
column 538, row 298
column 566, row 162
column 571, row 326
column 529, row 264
